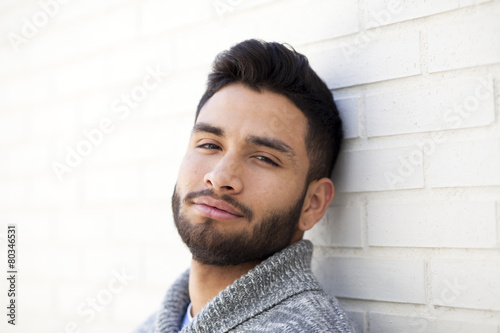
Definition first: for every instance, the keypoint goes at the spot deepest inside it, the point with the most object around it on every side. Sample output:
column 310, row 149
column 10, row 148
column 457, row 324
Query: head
column 256, row 173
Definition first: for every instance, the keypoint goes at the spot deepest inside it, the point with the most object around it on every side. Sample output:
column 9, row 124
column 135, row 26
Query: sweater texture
column 278, row 295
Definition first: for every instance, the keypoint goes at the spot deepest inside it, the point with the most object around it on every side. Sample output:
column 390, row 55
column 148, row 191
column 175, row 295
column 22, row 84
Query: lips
column 216, row 209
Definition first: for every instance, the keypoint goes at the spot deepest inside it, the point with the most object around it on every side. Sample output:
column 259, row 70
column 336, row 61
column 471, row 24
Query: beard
column 210, row 246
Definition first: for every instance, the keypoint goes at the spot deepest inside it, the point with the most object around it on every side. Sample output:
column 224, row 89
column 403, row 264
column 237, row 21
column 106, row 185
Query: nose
column 225, row 177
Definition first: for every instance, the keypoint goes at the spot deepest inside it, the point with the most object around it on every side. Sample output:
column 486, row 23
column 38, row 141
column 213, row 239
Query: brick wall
column 97, row 100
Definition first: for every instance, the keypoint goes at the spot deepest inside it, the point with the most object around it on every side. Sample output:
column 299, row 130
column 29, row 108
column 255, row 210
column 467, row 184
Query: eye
column 209, row 146
column 267, row 160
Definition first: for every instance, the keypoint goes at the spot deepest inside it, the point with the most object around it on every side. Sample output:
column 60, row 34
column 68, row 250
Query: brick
column 85, row 37
column 56, row 121
column 391, row 280
column 16, row 91
column 470, row 41
column 326, row 20
column 13, row 194
column 33, row 291
column 466, row 284
column 340, row 227
column 156, row 225
column 71, row 297
column 101, row 261
column 29, row 158
column 379, row 170
column 457, row 103
column 111, row 186
column 48, row 191
column 359, row 60
column 12, row 127
column 51, row 263
column 382, row 322
column 79, row 77
column 160, row 16
column 358, row 319
column 35, row 228
column 348, row 109
column 125, row 309
column 471, row 163
column 341, row 20
column 162, row 276
column 433, row 224
column 382, row 12
column 76, row 226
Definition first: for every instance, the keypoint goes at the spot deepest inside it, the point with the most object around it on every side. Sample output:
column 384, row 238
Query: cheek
column 191, row 171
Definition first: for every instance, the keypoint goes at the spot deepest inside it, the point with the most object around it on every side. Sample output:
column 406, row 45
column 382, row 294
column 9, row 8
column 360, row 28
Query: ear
column 319, row 195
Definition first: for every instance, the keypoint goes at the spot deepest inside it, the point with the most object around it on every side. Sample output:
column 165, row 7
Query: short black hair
column 282, row 70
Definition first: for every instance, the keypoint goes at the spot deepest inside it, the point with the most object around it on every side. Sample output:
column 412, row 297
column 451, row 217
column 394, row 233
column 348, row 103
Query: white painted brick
column 466, row 284
column 79, row 77
column 111, row 185
column 146, row 224
column 373, row 170
column 15, row 92
column 348, row 109
column 77, row 226
column 382, row 322
column 457, row 103
column 126, row 302
column 35, row 291
column 326, row 19
column 160, row 16
column 13, row 193
column 71, row 297
column 470, row 41
column 51, row 263
column 159, row 178
column 53, row 121
column 35, row 228
column 472, row 163
column 12, row 127
column 341, row 226
column 88, row 36
column 178, row 94
column 382, row 12
column 392, row 280
column 101, row 261
column 126, row 311
column 30, row 157
column 356, row 61
column 358, row 319
column 48, row 191
column 433, row 224
column 162, row 276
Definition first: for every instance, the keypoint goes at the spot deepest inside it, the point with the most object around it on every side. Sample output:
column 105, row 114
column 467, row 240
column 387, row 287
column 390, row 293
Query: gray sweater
column 279, row 295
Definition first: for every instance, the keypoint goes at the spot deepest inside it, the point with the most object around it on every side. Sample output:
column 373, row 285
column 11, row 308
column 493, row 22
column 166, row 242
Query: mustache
column 246, row 211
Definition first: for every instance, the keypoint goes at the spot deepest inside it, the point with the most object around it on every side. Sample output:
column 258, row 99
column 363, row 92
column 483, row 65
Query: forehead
column 245, row 111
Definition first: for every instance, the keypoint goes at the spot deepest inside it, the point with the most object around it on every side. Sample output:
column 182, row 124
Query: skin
column 233, row 160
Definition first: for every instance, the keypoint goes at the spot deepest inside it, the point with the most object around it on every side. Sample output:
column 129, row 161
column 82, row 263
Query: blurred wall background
column 96, row 103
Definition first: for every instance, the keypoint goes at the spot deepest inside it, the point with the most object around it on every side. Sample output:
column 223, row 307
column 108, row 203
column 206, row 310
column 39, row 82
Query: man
column 254, row 178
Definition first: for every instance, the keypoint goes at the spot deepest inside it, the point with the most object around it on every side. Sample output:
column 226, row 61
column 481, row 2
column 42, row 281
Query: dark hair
column 274, row 67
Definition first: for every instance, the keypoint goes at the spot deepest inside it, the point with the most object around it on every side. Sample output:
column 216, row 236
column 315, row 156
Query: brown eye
column 267, row 160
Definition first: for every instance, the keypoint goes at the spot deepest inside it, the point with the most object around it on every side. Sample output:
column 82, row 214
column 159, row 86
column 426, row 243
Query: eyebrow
column 204, row 127
column 271, row 143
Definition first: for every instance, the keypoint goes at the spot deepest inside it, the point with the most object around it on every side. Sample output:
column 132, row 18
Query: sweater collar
column 284, row 274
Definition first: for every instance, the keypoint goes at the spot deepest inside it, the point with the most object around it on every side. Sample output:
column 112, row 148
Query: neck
column 207, row 281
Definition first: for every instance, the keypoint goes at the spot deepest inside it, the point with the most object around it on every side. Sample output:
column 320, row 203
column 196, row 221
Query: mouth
column 216, row 209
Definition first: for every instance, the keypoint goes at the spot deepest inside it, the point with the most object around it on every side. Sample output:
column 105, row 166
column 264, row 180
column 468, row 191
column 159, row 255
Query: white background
column 411, row 242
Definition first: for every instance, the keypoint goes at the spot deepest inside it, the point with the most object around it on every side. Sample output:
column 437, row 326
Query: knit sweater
column 278, row 295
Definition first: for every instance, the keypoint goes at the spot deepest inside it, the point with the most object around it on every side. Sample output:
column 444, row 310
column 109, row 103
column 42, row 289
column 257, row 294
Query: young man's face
column 241, row 184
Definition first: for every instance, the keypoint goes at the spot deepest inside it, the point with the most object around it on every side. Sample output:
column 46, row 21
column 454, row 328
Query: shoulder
column 309, row 311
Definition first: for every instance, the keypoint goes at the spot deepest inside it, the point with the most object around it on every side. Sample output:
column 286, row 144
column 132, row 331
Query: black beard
column 212, row 247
